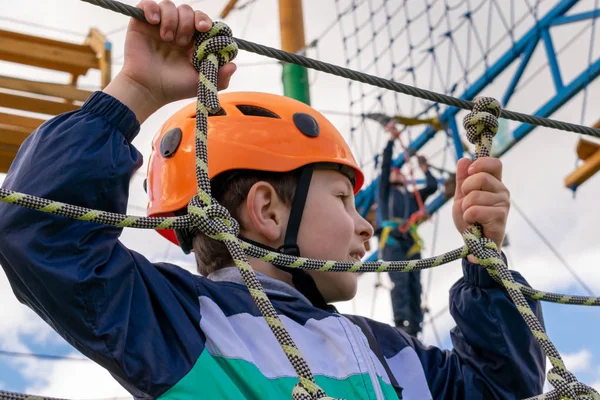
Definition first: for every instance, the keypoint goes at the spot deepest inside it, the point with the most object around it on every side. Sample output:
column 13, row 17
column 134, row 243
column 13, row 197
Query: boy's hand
column 481, row 197
column 391, row 129
column 157, row 67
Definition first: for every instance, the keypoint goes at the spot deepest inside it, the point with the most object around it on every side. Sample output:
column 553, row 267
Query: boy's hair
column 231, row 190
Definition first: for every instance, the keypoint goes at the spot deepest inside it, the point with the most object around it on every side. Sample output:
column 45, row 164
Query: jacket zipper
column 365, row 353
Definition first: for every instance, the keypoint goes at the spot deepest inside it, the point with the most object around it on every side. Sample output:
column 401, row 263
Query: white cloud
column 72, row 380
column 579, row 362
column 18, row 320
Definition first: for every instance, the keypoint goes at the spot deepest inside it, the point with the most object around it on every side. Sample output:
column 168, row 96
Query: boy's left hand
column 481, row 197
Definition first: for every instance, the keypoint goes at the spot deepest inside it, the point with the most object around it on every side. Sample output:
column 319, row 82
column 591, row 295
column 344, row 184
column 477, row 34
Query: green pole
column 295, row 77
column 295, row 83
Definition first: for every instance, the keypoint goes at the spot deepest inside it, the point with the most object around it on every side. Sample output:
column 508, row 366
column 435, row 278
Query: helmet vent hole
column 257, row 111
column 219, row 113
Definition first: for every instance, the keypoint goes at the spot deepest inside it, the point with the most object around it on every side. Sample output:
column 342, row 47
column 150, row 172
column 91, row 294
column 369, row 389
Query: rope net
column 449, row 47
column 212, row 50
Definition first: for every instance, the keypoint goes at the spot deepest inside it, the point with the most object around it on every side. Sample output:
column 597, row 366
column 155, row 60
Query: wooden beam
column 67, row 92
column 586, row 148
column 13, row 135
column 35, row 105
column 584, row 172
column 5, row 163
column 228, row 8
column 98, row 42
column 46, row 53
column 20, row 121
column 7, row 156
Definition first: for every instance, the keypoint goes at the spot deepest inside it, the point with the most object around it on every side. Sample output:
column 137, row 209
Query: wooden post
column 228, row 8
column 97, row 41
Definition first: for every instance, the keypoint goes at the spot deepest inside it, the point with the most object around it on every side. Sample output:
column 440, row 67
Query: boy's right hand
column 157, row 67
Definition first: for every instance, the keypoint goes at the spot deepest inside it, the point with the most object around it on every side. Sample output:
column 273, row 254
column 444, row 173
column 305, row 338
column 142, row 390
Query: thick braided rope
column 130, row 221
column 4, row 395
column 213, row 50
column 481, row 126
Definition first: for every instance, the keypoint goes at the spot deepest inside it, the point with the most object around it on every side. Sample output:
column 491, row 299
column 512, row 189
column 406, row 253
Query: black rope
column 347, row 73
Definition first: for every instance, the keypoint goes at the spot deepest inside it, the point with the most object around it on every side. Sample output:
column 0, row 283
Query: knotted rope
column 212, row 50
column 481, row 126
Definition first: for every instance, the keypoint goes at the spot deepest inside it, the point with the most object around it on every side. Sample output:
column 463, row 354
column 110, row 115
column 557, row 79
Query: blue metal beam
column 458, row 147
column 568, row 92
column 519, row 72
column 489, row 75
column 552, row 61
column 576, row 17
column 546, row 110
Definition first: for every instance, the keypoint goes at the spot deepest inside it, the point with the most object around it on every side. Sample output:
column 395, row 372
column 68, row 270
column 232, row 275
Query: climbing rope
column 212, row 50
column 481, row 126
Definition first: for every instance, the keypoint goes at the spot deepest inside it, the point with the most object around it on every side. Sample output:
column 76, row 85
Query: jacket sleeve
column 495, row 355
column 430, row 188
column 384, row 186
column 110, row 303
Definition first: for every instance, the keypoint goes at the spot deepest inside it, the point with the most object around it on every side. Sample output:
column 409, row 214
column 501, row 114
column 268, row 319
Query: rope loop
column 567, row 387
column 212, row 50
column 481, row 124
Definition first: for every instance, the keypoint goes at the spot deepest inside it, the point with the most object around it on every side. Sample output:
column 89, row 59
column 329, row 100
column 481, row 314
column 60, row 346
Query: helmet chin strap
column 302, row 281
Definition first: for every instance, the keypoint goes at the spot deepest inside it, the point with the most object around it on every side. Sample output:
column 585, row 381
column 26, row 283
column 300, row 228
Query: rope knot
column 218, row 41
column 482, row 248
column 481, row 124
column 212, row 219
column 212, row 50
column 568, row 387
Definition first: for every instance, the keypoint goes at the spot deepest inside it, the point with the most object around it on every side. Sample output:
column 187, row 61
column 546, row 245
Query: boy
column 397, row 204
column 165, row 333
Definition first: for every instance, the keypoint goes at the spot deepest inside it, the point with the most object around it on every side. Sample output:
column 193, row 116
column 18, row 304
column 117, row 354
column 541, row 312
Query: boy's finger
column 461, row 174
column 151, row 11
column 484, row 216
column 169, row 20
column 185, row 26
column 482, row 181
column 487, row 199
column 203, row 21
column 490, row 165
column 225, row 74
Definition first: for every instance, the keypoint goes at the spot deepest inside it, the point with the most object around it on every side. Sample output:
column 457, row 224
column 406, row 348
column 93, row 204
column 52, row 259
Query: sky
column 534, row 170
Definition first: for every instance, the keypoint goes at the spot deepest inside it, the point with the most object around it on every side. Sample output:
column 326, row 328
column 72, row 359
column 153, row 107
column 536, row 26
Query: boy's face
column 332, row 229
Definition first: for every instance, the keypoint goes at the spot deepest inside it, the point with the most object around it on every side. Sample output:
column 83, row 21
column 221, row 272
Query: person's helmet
column 253, row 131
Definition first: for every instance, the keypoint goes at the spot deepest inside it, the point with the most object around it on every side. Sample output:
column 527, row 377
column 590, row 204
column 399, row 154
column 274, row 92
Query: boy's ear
column 265, row 213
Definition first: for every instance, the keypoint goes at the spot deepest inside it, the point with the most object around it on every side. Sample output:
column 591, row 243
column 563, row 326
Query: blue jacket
column 163, row 332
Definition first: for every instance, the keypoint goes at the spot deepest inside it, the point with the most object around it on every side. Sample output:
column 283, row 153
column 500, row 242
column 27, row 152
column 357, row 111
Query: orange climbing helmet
column 253, row 131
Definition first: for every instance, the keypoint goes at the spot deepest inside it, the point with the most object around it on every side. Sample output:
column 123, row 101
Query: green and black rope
column 215, row 48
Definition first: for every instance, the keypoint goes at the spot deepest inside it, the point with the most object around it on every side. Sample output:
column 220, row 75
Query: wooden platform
column 25, row 96
column 589, row 153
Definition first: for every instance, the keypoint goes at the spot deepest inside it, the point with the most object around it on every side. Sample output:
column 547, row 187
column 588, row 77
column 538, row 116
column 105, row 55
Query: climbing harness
column 215, row 48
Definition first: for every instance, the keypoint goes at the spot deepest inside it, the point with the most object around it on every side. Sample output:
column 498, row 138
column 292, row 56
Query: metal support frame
column 522, row 49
